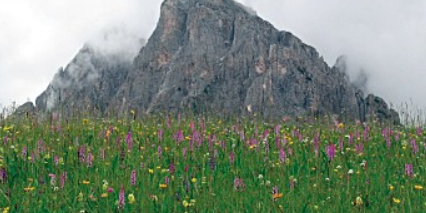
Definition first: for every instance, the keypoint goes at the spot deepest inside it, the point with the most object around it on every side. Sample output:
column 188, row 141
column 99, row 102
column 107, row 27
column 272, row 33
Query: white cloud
column 384, row 37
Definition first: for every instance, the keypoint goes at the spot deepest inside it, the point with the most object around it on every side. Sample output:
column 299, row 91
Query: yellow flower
column 131, row 198
column 391, row 187
column 185, row 203
column 341, row 125
column 104, row 195
column 194, row 180
column 163, row 185
column 418, row 187
column 85, row 182
column 358, row 201
column 151, row 171
column 6, row 210
column 28, row 189
column 396, row 200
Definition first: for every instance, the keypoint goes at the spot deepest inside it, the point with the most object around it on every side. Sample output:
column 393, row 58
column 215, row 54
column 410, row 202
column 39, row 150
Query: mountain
column 215, row 56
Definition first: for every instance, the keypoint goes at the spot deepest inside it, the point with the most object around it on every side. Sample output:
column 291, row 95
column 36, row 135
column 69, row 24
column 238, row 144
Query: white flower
column 327, row 179
column 260, row 176
column 338, row 167
column 351, row 171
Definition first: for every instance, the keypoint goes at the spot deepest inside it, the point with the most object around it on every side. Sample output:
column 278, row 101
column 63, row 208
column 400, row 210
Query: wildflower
column 185, row 203
column 282, row 155
column 396, row 200
column 5, row 210
column 358, row 201
column 133, row 178
column 163, row 185
column 104, row 195
column 131, row 198
column 275, row 194
column 52, row 179
column 89, row 160
column 418, row 187
column 105, row 185
column 110, row 190
column 3, row 175
column 351, row 171
column 391, row 187
column 85, row 182
column 29, row 189
column 151, row 171
column 194, row 180
column 231, row 157
column 121, row 197
column 409, row 170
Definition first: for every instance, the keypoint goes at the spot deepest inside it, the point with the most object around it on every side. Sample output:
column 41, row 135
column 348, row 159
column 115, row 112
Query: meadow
column 173, row 163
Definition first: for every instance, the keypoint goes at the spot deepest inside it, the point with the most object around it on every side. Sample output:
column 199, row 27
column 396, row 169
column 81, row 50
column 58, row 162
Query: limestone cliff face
column 89, row 80
column 215, row 56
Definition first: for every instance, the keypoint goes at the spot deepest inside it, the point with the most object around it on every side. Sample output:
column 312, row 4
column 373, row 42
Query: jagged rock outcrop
column 214, row 56
column 90, row 80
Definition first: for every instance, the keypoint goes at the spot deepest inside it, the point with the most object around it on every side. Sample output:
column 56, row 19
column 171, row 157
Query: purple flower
column 277, row 130
column 171, row 168
column 62, row 179
column 414, row 146
column 56, row 160
column 121, row 197
column 178, row 137
column 409, row 170
column 282, row 155
column 24, row 152
column 159, row 151
column 89, row 160
column 166, row 180
column 359, row 148
column 160, row 135
column 184, row 152
column 133, row 178
column 3, row 175
column 102, row 154
column 231, row 158
column 129, row 141
column 330, row 150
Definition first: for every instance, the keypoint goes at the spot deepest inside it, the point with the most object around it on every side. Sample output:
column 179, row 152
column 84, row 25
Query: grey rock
column 214, row 56
column 88, row 82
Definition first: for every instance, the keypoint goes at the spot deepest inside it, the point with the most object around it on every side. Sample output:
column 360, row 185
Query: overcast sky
column 386, row 38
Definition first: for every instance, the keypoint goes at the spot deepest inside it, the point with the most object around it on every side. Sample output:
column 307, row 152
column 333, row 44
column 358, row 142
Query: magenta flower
column 110, row 190
column 160, row 135
column 133, row 178
column 89, row 160
column 409, row 170
column 159, row 151
column 282, row 155
column 231, row 158
column 129, row 141
column 414, row 146
column 3, row 175
column 56, row 160
column 24, row 152
column 121, row 198
column 330, row 150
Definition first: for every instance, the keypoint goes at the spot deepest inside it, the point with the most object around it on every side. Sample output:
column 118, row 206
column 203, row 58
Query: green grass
column 371, row 180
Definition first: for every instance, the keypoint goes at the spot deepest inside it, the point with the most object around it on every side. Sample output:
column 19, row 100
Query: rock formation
column 214, row 56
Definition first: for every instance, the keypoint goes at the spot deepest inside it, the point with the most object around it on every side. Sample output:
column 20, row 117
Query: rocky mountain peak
column 217, row 56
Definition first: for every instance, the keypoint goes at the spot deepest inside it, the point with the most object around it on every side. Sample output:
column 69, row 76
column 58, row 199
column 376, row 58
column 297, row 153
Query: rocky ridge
column 215, row 56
